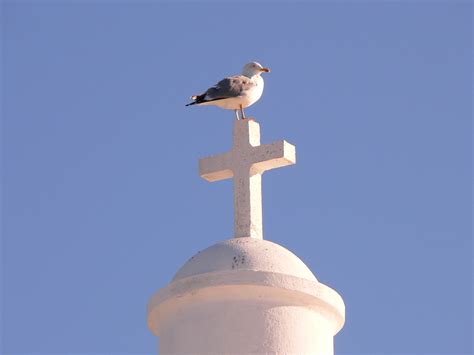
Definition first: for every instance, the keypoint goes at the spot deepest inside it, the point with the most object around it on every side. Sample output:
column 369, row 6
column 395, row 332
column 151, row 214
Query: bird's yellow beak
column 266, row 70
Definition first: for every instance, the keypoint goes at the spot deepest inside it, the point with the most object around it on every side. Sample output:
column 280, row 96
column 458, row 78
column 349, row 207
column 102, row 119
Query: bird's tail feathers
column 197, row 99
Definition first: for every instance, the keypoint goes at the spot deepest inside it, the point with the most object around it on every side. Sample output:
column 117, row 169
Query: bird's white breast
column 254, row 94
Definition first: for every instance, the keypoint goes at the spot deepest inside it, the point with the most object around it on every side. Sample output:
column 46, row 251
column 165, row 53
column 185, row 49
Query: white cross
column 246, row 163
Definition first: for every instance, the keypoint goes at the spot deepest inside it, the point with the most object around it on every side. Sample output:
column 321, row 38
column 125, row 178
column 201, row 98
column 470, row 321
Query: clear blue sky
column 102, row 202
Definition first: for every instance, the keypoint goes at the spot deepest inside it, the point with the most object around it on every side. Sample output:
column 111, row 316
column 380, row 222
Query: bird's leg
column 237, row 114
column 242, row 112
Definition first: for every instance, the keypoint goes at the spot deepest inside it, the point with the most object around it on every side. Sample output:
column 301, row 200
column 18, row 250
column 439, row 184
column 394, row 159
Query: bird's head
column 254, row 68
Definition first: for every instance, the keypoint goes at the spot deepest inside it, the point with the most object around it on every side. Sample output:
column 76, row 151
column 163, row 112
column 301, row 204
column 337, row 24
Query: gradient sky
column 102, row 202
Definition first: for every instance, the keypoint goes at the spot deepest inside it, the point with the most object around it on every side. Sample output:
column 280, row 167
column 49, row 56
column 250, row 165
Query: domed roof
column 245, row 254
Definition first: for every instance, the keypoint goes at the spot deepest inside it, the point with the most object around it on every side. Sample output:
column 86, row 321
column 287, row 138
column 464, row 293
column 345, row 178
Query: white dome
column 245, row 254
column 247, row 294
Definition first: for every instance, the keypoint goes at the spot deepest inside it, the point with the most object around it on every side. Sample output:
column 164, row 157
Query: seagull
column 235, row 92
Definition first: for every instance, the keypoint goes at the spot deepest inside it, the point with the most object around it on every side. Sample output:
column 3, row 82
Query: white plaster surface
column 245, row 254
column 246, row 163
column 246, row 296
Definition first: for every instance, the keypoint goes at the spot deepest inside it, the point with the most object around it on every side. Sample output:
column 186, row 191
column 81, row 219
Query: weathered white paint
column 246, row 163
column 245, row 254
column 246, row 295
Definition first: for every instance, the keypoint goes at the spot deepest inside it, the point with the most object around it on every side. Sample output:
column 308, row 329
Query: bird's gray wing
column 229, row 87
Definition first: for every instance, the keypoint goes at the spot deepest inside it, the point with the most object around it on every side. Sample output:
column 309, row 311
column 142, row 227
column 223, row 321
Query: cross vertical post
column 246, row 163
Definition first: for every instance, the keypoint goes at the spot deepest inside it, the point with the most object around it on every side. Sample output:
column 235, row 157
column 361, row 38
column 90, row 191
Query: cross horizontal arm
column 271, row 156
column 216, row 168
